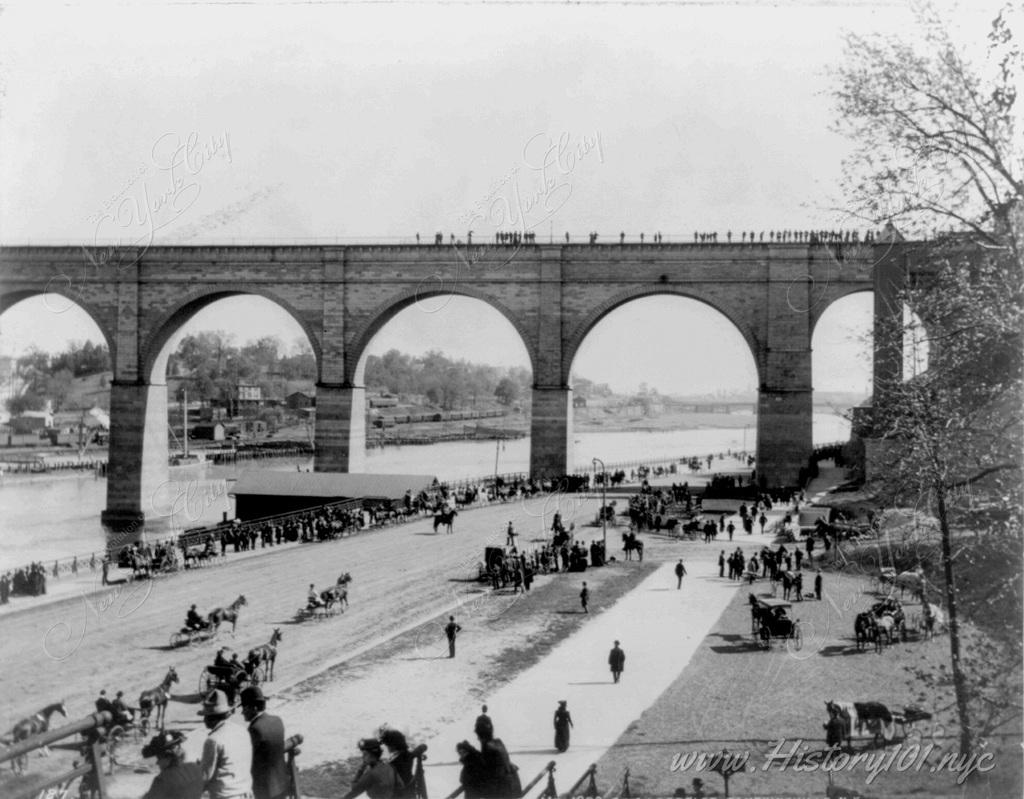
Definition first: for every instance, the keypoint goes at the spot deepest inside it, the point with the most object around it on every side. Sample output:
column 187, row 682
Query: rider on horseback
column 194, row 621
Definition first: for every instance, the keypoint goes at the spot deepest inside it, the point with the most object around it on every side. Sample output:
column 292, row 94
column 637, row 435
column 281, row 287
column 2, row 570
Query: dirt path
column 403, row 576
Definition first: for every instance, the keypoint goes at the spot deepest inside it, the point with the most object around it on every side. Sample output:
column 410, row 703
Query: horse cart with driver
column 191, row 635
column 231, row 679
column 770, row 619
column 320, row 605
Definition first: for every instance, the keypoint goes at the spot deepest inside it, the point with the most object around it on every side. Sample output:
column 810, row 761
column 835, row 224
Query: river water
column 56, row 516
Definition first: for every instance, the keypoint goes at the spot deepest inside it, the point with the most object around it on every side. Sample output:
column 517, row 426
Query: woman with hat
column 375, row 777
column 563, row 721
column 402, row 761
column 472, row 777
column 227, row 751
column 177, row 779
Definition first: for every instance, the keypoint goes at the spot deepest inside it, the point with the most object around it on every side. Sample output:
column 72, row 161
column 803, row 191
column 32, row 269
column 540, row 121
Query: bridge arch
column 67, row 298
column 355, row 361
column 598, row 312
column 821, row 308
column 152, row 356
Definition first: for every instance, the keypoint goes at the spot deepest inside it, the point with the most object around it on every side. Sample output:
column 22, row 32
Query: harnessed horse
column 445, row 518
column 33, row 725
column 890, row 619
column 219, row 615
column 156, row 699
column 265, row 653
column 337, row 593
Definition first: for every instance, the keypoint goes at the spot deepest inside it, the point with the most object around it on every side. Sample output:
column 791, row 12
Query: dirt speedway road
column 118, row 638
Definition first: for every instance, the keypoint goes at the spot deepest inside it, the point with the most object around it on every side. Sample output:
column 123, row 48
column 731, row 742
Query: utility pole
column 604, row 501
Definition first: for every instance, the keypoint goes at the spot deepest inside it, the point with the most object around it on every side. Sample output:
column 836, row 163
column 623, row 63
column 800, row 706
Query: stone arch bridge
column 773, row 293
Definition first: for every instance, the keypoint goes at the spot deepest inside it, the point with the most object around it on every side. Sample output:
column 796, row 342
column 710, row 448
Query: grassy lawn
column 734, row 695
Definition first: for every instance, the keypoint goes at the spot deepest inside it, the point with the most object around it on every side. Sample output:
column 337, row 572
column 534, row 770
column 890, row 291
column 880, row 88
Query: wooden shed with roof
column 267, row 493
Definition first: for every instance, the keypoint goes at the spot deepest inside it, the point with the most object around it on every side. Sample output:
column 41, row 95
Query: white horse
column 932, row 619
column 910, row 581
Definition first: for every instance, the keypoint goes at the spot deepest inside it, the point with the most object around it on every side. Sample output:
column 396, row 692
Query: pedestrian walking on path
column 563, row 721
column 451, row 629
column 680, row 573
column 584, row 598
column 616, row 661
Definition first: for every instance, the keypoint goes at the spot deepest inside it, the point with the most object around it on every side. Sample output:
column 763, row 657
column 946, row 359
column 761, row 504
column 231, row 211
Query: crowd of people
column 236, row 761
column 29, row 581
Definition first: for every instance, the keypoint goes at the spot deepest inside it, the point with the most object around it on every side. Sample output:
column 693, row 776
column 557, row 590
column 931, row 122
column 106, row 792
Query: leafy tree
column 82, row 359
column 25, row 401
column 937, row 146
column 507, row 391
column 935, row 134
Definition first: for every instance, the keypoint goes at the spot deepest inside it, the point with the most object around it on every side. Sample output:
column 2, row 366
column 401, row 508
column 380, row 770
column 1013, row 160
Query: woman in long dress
column 563, row 721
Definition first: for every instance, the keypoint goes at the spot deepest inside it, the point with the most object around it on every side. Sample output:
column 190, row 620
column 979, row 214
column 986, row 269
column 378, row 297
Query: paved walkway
column 659, row 628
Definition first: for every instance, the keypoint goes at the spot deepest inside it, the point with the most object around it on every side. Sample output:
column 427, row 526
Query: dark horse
column 866, row 631
column 630, row 544
column 33, row 725
column 337, row 593
column 156, row 699
column 266, row 653
column 218, row 616
column 445, row 517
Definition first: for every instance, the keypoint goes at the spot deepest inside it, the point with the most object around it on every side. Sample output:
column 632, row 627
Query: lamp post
column 604, row 498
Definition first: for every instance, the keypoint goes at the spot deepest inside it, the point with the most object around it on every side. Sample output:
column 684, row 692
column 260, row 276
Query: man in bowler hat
column 269, row 771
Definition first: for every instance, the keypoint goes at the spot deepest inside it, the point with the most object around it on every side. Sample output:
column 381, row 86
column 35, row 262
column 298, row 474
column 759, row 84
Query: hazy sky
column 376, row 121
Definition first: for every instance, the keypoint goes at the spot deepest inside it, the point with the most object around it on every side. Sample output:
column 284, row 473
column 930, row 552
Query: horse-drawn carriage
column 230, row 679
column 331, row 601
column 192, row 635
column 873, row 720
column 769, row 618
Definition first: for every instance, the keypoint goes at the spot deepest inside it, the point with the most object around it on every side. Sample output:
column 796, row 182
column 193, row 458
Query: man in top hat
column 122, row 713
column 270, row 779
column 227, row 751
column 375, row 777
column 178, row 779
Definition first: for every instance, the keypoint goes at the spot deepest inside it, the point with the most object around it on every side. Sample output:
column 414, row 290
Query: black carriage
column 769, row 618
column 230, row 680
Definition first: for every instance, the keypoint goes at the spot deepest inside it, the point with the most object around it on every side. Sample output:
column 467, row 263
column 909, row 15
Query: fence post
column 550, row 792
column 96, row 758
